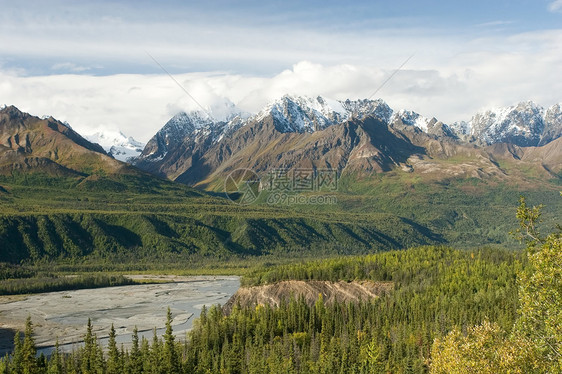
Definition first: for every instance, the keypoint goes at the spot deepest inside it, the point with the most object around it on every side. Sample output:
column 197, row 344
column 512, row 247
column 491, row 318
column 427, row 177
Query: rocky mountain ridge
column 525, row 124
column 361, row 135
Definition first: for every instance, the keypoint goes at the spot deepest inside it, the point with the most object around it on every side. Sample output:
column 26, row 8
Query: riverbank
column 63, row 315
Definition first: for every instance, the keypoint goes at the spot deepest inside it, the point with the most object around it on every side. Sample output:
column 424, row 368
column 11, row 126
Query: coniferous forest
column 435, row 290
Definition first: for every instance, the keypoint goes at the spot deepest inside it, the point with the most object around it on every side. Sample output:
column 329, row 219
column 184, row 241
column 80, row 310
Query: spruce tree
column 4, row 364
column 155, row 359
column 29, row 352
column 87, row 359
column 171, row 360
column 55, row 362
column 113, row 353
column 17, row 357
column 135, row 359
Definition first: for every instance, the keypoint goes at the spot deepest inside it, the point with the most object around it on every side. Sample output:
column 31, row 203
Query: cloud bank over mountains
column 88, row 64
column 139, row 104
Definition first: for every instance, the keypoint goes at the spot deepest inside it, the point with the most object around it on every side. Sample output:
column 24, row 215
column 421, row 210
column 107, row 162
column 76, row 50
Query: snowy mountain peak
column 522, row 124
column 552, row 123
column 365, row 107
column 411, row 118
column 187, row 122
column 215, row 120
column 553, row 115
column 302, row 113
column 306, row 114
column 116, row 144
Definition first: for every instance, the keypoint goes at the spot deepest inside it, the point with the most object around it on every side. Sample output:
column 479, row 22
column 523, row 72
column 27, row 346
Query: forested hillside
column 129, row 219
column 167, row 222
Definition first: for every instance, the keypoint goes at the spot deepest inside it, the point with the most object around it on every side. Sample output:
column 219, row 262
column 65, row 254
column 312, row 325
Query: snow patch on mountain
column 214, row 121
column 360, row 109
column 301, row 113
column 411, row 118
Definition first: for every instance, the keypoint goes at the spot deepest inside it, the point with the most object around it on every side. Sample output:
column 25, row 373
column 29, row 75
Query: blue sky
column 468, row 55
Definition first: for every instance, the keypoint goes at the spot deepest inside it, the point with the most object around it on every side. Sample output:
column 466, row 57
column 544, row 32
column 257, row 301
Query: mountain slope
column 31, row 144
column 359, row 145
column 64, row 198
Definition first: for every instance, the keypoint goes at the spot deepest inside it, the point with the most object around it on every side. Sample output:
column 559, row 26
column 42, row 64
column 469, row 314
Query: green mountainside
column 174, row 220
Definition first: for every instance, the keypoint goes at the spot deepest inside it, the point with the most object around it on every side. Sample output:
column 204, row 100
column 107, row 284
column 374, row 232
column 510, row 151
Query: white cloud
column 69, row 66
column 555, row 6
column 494, row 23
column 446, row 80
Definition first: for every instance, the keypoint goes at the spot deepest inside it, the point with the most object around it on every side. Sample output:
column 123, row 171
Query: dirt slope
column 273, row 294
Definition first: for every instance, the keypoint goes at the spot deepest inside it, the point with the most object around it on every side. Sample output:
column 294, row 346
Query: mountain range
column 350, row 136
column 63, row 197
column 405, row 180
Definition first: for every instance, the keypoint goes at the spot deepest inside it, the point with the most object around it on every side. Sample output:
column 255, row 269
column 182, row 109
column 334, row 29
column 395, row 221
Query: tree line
column 50, row 283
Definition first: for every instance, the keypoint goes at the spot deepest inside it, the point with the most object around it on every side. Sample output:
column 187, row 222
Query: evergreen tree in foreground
column 135, row 357
column 171, row 362
column 24, row 358
column 113, row 360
